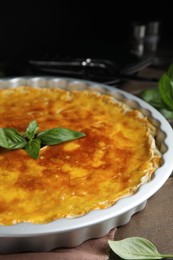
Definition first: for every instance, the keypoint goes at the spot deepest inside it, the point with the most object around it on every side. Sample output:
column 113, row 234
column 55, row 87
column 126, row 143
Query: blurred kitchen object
column 144, row 37
column 137, row 38
column 152, row 36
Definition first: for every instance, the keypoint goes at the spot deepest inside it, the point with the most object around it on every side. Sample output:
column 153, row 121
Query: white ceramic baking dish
column 72, row 232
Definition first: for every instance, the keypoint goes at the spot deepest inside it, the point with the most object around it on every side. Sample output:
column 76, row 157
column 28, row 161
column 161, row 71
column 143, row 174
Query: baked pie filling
column 117, row 155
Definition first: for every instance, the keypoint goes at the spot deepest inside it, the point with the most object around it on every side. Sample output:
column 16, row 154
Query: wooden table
column 155, row 222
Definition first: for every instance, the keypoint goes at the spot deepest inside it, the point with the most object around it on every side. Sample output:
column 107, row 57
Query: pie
column 117, row 155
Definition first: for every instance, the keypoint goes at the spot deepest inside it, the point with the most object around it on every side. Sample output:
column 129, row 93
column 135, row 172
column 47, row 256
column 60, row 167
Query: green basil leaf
column 33, row 148
column 31, row 130
column 152, row 96
column 58, row 135
column 11, row 139
column 135, row 248
column 170, row 72
column 166, row 90
column 166, row 113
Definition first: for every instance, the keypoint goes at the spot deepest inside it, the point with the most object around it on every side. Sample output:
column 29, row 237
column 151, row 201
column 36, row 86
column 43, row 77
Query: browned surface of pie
column 117, row 155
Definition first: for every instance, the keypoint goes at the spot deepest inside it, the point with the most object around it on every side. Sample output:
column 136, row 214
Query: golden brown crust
column 117, row 155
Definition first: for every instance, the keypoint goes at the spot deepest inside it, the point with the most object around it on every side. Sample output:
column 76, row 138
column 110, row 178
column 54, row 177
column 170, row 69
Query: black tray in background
column 111, row 63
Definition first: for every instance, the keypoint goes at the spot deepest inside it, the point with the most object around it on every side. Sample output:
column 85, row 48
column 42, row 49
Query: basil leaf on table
column 152, row 96
column 33, row 148
column 31, row 130
column 168, row 114
column 162, row 96
column 11, row 139
column 58, row 135
column 170, row 72
column 136, row 248
column 166, row 90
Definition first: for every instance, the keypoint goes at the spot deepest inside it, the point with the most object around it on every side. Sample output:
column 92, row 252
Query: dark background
column 77, row 28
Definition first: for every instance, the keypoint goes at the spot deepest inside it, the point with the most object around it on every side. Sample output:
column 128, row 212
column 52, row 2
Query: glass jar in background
column 152, row 36
column 144, row 37
column 137, row 38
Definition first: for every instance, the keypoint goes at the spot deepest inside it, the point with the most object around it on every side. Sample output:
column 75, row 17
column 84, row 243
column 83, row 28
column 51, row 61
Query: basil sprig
column 136, row 248
column 162, row 96
column 57, row 136
column 33, row 148
column 32, row 141
column 11, row 139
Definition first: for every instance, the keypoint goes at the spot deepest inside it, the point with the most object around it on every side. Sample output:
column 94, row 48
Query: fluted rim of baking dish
column 124, row 205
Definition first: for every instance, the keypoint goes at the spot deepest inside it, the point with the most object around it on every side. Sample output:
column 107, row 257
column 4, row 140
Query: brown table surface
column 155, row 221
